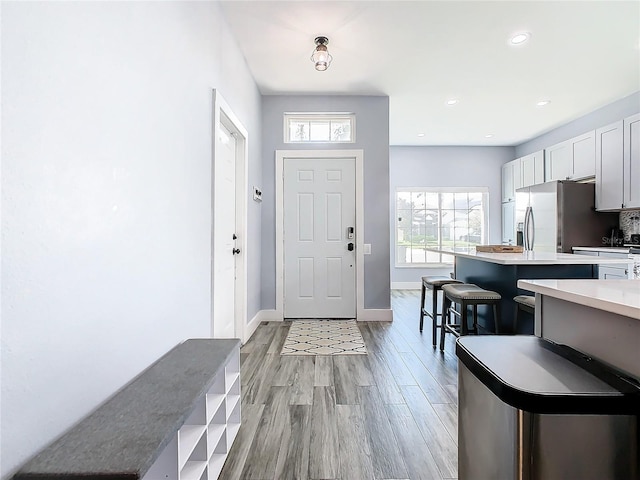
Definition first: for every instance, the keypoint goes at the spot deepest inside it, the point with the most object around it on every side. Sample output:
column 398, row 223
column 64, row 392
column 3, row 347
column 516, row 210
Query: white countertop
column 615, row 296
column 537, row 258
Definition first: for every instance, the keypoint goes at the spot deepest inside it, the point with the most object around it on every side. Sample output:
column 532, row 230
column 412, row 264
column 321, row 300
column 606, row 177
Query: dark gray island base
column 123, row 437
column 503, row 278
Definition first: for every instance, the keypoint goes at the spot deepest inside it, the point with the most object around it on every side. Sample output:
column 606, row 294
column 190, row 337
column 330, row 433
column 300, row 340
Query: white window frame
column 288, row 117
column 448, row 261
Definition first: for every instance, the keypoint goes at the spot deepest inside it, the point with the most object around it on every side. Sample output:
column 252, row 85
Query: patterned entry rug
column 324, row 337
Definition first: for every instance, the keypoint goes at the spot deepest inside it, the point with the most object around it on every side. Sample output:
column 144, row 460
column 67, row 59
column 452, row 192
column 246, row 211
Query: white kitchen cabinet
column 573, row 159
column 618, row 165
column 609, row 167
column 509, row 223
column 557, row 162
column 511, row 180
column 632, row 161
column 613, row 272
column 532, row 168
column 609, row 272
column 507, row 182
column 583, row 156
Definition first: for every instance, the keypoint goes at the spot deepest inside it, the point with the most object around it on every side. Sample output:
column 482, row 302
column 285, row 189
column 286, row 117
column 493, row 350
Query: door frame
column 222, row 113
column 281, row 156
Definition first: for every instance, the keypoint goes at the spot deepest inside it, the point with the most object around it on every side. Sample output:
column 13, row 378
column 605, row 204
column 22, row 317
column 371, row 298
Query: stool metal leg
column 446, row 304
column 434, row 318
column 422, row 295
column 463, row 322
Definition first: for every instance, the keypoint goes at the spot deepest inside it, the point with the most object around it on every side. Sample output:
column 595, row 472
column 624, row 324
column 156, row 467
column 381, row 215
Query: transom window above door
column 431, row 218
column 319, row 127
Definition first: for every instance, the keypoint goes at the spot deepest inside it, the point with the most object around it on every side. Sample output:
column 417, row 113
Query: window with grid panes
column 431, row 219
column 319, row 127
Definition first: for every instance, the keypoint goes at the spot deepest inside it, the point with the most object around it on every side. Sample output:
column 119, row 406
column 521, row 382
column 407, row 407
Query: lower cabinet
column 609, row 272
column 200, row 447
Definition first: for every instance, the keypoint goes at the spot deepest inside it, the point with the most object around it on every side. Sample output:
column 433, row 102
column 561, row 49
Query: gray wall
column 598, row 118
column 372, row 136
column 452, row 167
column 106, row 198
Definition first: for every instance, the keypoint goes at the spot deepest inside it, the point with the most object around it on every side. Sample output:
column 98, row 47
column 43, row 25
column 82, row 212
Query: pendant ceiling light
column 320, row 55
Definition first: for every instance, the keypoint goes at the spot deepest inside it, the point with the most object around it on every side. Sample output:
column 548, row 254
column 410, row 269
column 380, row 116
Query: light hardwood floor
column 390, row 414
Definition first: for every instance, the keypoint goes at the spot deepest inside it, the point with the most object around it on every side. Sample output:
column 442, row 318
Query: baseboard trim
column 366, row 315
column 406, row 285
column 375, row 315
column 261, row 316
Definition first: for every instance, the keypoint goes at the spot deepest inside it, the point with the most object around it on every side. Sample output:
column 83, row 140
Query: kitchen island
column 600, row 318
column 500, row 272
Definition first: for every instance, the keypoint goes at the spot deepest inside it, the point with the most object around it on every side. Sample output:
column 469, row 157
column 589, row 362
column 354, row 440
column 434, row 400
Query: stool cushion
column 438, row 280
column 528, row 300
column 469, row 291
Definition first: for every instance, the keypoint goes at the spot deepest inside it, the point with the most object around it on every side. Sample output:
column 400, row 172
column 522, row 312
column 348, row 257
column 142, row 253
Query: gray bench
column 137, row 432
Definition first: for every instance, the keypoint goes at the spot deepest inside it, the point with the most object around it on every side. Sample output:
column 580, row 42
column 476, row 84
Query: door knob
column 235, row 251
column 350, row 247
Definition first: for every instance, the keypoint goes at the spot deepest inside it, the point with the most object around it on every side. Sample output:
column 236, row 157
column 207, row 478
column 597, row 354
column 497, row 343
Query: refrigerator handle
column 529, row 229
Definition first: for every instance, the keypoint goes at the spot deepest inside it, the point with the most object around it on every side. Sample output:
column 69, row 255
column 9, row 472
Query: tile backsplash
column 626, row 222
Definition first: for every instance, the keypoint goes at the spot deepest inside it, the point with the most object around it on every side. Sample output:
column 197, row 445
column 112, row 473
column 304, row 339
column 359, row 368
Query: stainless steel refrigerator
column 560, row 215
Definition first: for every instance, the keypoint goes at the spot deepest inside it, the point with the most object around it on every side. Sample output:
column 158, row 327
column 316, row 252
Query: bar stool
column 525, row 303
column 466, row 295
column 433, row 283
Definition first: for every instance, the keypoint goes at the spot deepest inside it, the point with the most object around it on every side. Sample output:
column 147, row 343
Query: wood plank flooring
column 390, row 414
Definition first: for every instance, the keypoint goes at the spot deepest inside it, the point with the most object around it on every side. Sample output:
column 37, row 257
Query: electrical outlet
column 257, row 194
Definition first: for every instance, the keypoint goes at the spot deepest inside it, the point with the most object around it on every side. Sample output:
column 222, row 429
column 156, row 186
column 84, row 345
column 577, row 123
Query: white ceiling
column 581, row 55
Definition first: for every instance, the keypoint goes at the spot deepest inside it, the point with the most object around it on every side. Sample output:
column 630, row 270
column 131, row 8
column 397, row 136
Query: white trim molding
column 261, row 316
column 358, row 155
column 222, row 114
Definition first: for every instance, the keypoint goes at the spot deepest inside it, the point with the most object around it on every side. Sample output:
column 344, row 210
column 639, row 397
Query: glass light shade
column 321, row 58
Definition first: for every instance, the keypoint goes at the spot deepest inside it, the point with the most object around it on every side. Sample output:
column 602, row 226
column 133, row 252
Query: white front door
column 224, row 244
column 319, row 238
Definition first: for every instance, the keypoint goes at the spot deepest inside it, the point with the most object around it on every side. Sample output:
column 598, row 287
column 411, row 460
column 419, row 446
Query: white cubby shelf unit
column 199, row 448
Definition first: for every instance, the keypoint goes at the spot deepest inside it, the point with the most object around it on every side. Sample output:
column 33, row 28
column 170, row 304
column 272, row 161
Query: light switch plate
column 367, row 249
column 257, row 194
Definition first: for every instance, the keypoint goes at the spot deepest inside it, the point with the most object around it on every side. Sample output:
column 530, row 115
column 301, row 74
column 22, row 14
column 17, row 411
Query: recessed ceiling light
column 421, row 134
column 452, row 101
column 542, row 103
column 488, row 135
column 520, row 38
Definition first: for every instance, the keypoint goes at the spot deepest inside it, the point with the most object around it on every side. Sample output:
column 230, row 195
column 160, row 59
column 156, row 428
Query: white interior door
column 319, row 238
column 224, row 243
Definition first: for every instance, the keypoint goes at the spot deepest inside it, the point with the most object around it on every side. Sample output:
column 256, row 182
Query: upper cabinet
column 632, row 161
column 573, row 159
column 557, row 162
column 532, row 169
column 511, row 180
column 522, row 172
column 609, row 167
column 583, row 152
column 618, row 165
